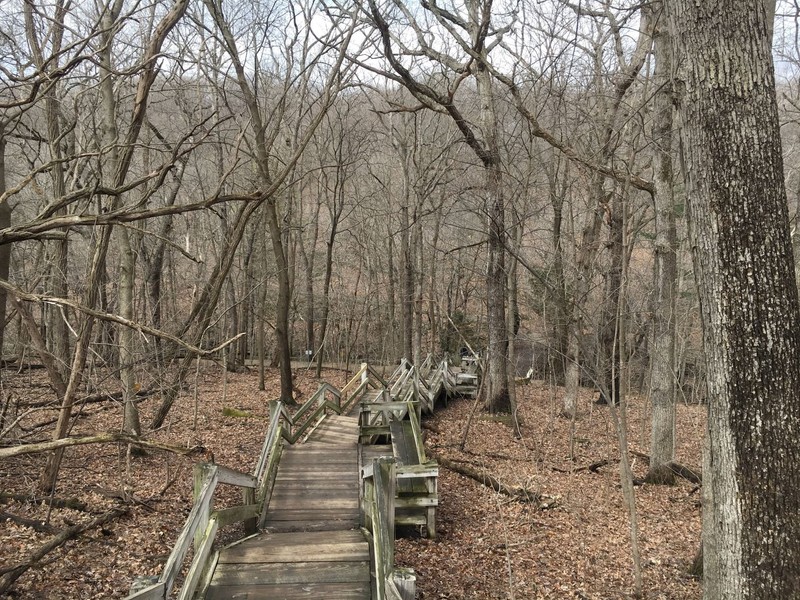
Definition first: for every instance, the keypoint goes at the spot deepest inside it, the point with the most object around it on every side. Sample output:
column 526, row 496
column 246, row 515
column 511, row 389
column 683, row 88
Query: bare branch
column 104, row 316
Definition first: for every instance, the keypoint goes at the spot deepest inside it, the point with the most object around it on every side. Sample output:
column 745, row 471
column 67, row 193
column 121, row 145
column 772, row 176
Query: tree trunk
column 391, row 300
column 662, row 353
column 559, row 337
column 586, row 253
column 326, row 290
column 744, row 267
column 5, row 249
column 418, row 290
column 282, row 305
column 57, row 330
column 498, row 399
column 127, row 258
column 408, row 277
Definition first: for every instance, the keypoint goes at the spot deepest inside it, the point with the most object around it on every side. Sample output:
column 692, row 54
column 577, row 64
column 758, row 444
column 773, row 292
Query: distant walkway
column 311, row 546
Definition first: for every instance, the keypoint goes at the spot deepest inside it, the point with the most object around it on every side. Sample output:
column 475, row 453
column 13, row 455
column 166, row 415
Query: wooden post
column 406, row 583
column 249, row 497
column 201, row 471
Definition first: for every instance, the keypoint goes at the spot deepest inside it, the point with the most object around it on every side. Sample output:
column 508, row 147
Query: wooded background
column 266, row 181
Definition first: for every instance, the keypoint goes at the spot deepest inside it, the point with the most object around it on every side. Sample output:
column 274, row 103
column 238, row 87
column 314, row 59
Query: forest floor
column 488, row 545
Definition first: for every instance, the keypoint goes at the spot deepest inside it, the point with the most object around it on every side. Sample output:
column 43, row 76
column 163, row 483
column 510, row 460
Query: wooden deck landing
column 311, row 547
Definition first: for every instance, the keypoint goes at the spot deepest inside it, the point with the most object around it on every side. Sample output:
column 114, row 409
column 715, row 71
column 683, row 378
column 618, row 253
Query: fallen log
column 99, row 438
column 72, row 503
column 39, row 526
column 10, row 574
column 520, row 494
column 593, row 468
column 677, row 468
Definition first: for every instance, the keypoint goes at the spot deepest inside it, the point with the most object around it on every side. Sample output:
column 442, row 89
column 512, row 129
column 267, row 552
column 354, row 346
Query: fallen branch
column 685, row 472
column 11, row 574
column 100, row 438
column 94, row 398
column 71, row 503
column 680, row 470
column 39, row 526
column 488, row 480
column 593, row 468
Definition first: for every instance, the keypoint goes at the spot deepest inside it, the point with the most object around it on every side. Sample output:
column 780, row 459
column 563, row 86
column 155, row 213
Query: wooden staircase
column 311, row 546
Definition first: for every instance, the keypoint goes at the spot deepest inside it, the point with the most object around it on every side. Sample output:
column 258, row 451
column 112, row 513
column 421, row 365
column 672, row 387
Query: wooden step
column 294, row 591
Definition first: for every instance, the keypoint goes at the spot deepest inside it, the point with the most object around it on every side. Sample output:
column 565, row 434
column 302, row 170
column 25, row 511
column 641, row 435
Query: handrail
column 378, row 484
column 416, row 430
column 201, row 529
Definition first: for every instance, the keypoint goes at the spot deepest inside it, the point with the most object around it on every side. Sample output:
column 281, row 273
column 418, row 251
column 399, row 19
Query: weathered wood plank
column 343, row 462
column 234, row 477
column 235, row 514
column 415, row 501
column 197, row 570
column 282, row 554
column 292, row 591
column 345, row 536
column 299, row 572
column 316, row 475
column 152, row 592
column 311, row 514
column 310, row 494
column 201, row 506
column 316, row 502
column 310, row 526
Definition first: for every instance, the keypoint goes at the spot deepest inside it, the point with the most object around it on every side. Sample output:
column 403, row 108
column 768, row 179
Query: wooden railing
column 203, row 522
column 378, row 481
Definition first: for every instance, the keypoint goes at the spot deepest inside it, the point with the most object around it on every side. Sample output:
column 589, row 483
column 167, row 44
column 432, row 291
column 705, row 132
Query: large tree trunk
column 418, row 295
column 559, row 332
column 127, row 259
column 37, row 33
column 739, row 229
column 609, row 347
column 662, row 355
column 498, row 399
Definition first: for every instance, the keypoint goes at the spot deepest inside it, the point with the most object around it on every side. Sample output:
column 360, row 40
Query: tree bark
column 498, row 399
column 53, row 29
column 744, row 267
column 5, row 249
column 662, row 354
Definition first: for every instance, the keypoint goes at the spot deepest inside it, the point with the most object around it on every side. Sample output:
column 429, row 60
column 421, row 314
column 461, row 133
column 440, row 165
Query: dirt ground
column 488, row 545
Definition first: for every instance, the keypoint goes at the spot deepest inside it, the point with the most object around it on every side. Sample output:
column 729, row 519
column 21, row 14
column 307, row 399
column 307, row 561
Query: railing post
column 201, row 471
column 248, row 498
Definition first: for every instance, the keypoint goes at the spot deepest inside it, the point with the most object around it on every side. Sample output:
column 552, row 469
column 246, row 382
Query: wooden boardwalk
column 312, row 546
